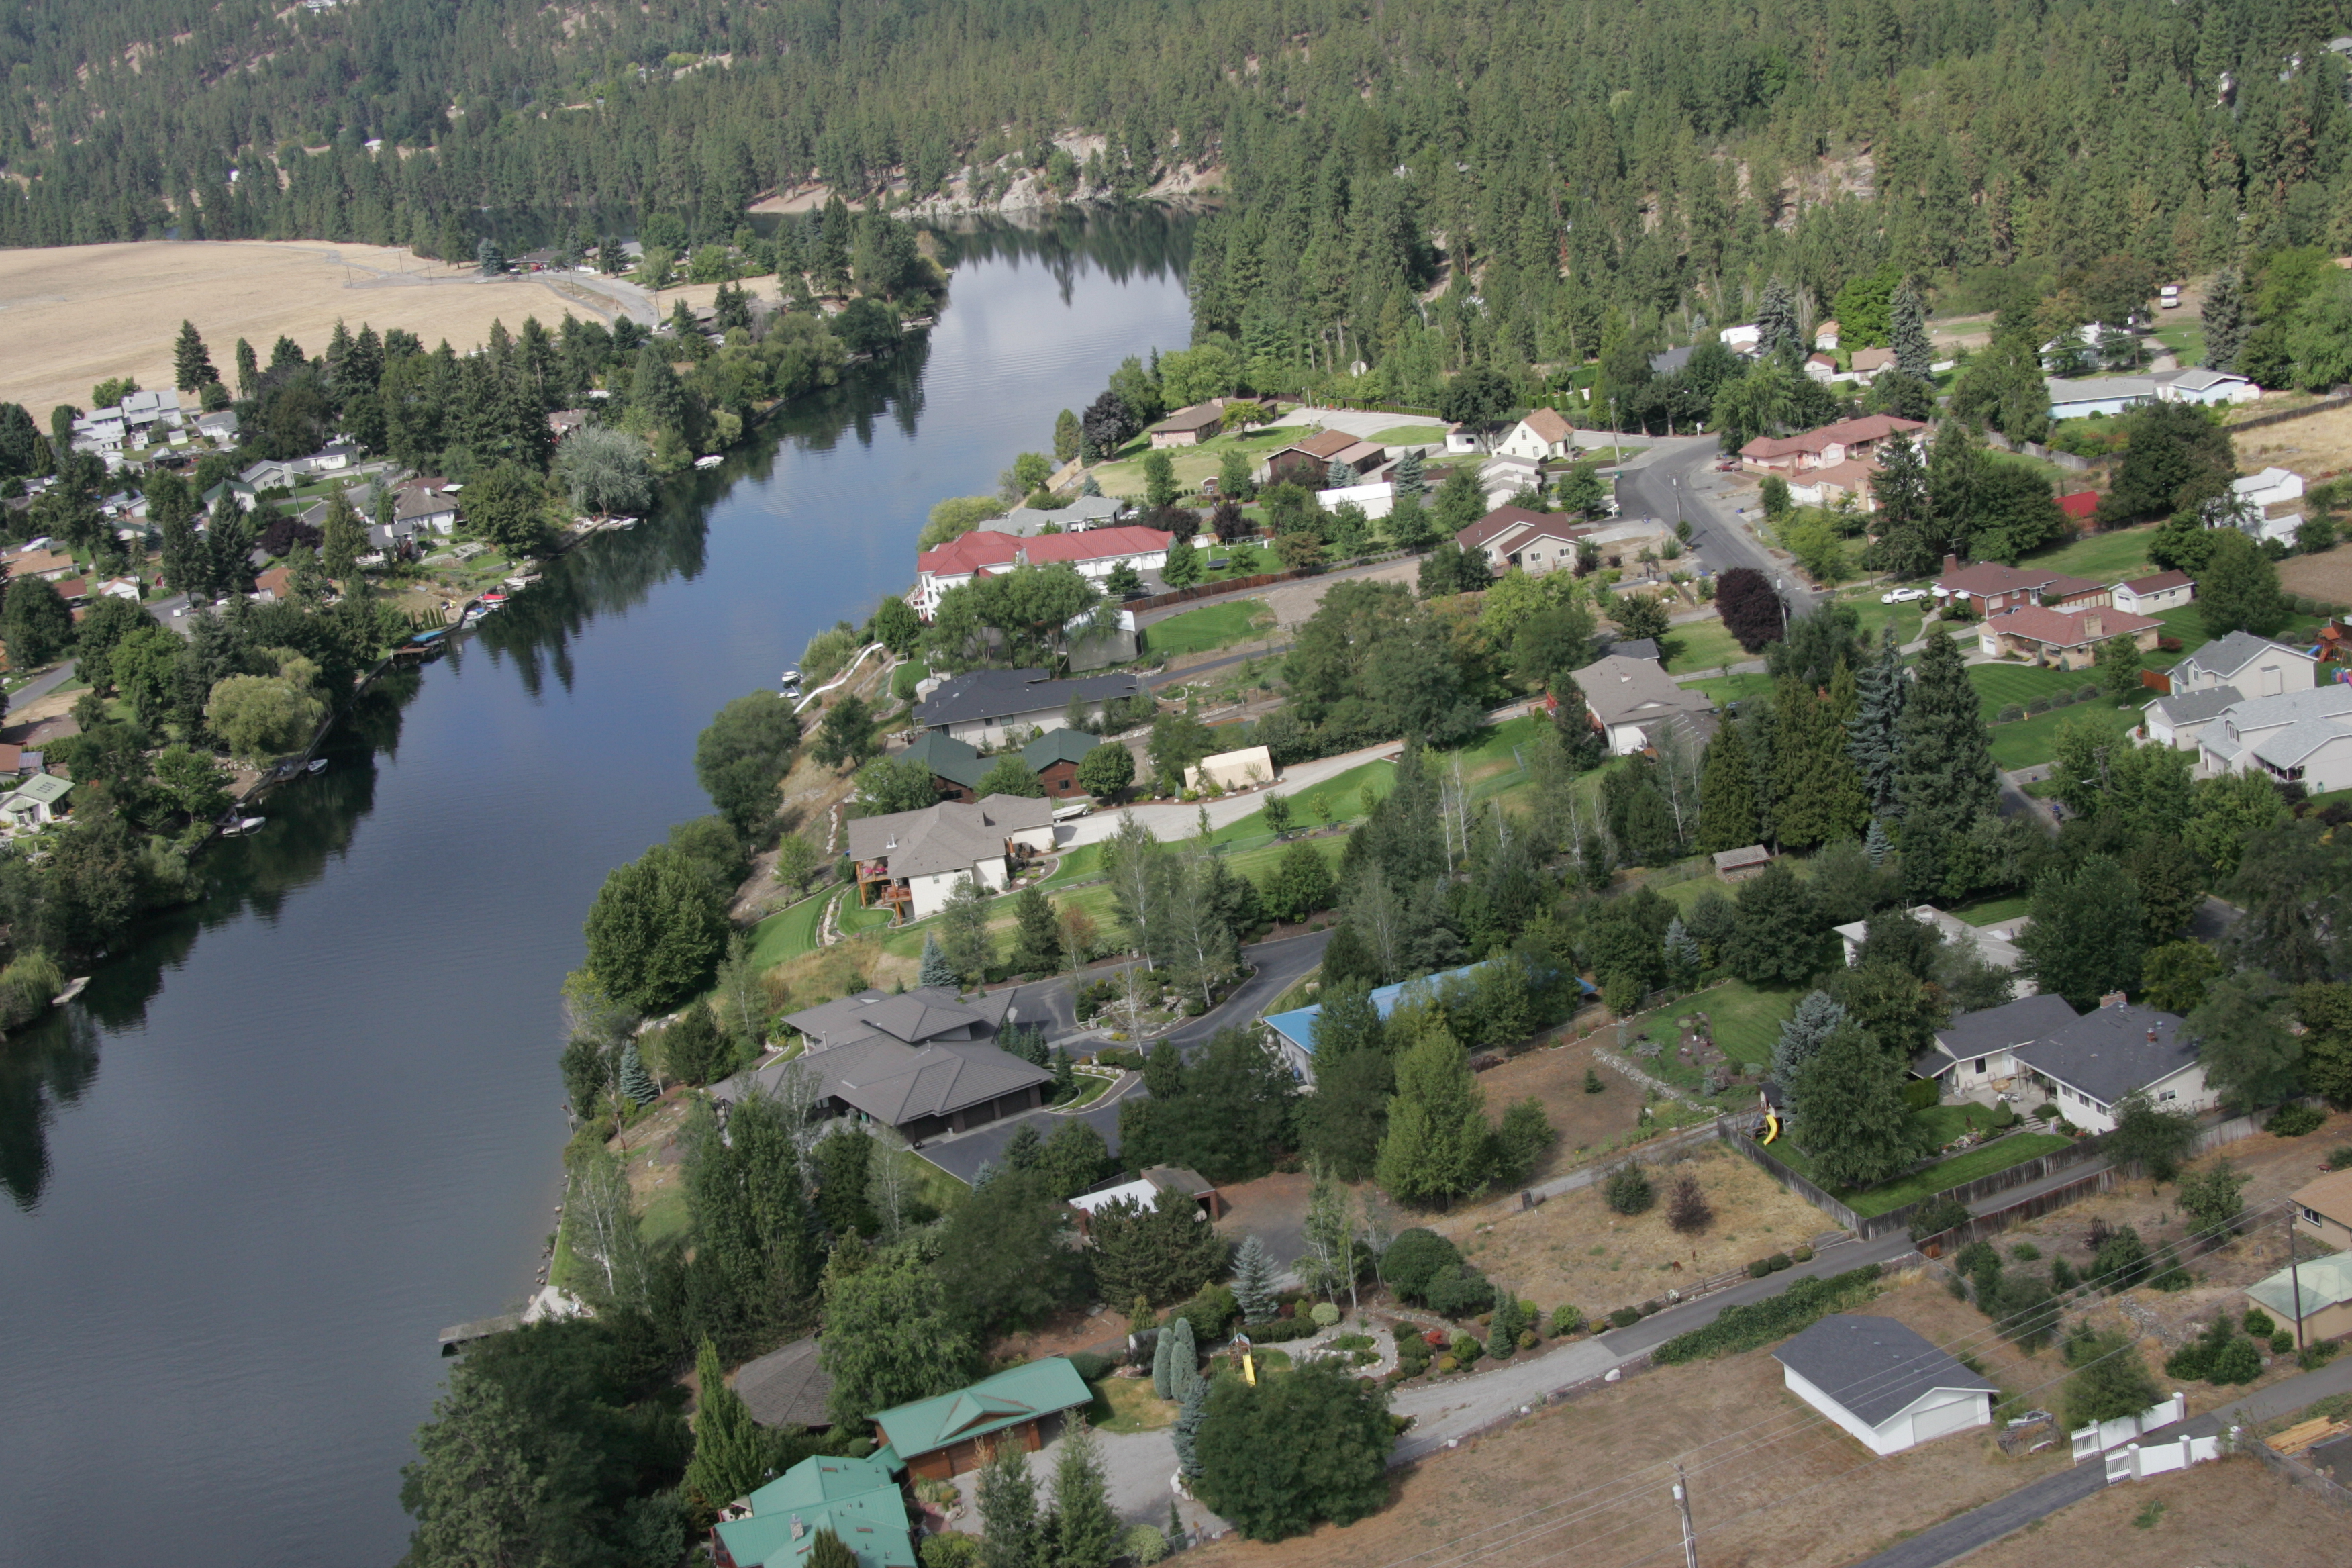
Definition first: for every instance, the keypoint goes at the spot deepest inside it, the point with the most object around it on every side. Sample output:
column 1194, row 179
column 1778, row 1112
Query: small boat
column 242, row 826
column 490, row 601
column 791, row 678
column 315, row 765
column 621, row 523
column 712, row 462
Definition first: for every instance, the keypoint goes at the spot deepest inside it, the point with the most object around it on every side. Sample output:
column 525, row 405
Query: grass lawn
column 1991, row 911
column 1210, row 627
column 1702, row 644
column 1941, row 1176
column 2002, row 684
column 2102, row 557
column 1124, row 475
column 667, row 1217
column 2184, row 334
column 787, row 933
column 1747, row 1020
column 1410, row 434
column 2035, row 740
column 1723, row 690
column 1873, row 615
column 1127, row 1404
column 2188, row 624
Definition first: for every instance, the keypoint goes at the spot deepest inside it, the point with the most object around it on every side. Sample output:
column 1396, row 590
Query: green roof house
column 855, row 1498
column 1054, row 757
column 39, row 799
column 951, row 1434
column 957, row 767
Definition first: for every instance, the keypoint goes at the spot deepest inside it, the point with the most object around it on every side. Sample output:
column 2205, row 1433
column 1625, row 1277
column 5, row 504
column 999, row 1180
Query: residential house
column 1095, row 553
column 1291, row 1036
column 912, row 862
column 103, row 431
column 2313, row 1296
column 1670, row 362
column 1995, row 944
column 1087, row 644
column 2267, row 505
column 1055, row 756
column 564, row 421
column 1823, row 368
column 1825, row 336
column 2295, row 737
column 787, row 1387
column 1375, row 501
column 2063, row 640
column 12, row 760
column 989, row 706
column 49, row 565
column 1475, row 437
column 219, row 426
column 1542, row 434
column 142, row 412
column 247, row 496
column 2116, row 1049
column 35, row 803
column 275, row 585
column 2155, row 594
column 1829, row 485
column 2178, row 719
column 1630, row 701
column 1825, row 448
column 1987, row 587
column 1189, row 426
column 1887, row 1386
column 857, row 1501
column 1076, row 515
column 2082, row 397
column 1502, row 477
column 332, row 458
column 1738, row 865
column 271, row 474
column 2208, row 387
column 2254, row 666
column 944, row 1436
column 1746, row 338
column 955, row 767
column 923, row 1063
column 2323, row 1210
column 423, row 506
column 73, row 590
column 1536, row 541
column 1246, row 769
column 1308, row 462
column 1868, row 364
column 2081, row 507
column 1975, row 1055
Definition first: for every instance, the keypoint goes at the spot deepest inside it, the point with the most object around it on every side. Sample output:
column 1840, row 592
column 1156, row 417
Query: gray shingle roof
column 1874, row 1367
column 2001, row 1028
column 2107, row 1053
column 2291, row 745
column 2196, row 706
column 899, row 1058
column 1009, row 693
column 787, row 1387
column 1623, row 691
column 953, row 835
column 2224, row 656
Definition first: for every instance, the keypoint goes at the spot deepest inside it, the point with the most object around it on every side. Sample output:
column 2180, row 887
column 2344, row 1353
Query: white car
column 1902, row 595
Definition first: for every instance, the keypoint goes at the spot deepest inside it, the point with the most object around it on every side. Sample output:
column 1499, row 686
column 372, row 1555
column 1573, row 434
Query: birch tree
column 1130, row 861
column 889, row 1182
column 604, row 1233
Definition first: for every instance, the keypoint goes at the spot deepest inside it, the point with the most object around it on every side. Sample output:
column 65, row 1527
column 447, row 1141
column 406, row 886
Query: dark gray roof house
column 987, row 705
column 923, row 1063
column 2113, row 1050
column 787, row 1387
column 1883, row 1382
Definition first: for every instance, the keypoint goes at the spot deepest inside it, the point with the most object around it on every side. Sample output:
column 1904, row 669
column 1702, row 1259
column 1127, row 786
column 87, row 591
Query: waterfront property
column 1307, row 463
column 955, row 766
column 1190, row 427
column 946, row 1435
column 1884, row 1385
column 857, row 1501
column 912, row 861
column 923, row 1063
column 991, row 707
column 1094, row 553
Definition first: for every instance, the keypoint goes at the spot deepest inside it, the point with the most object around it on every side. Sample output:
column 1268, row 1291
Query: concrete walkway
column 40, row 686
column 1174, row 819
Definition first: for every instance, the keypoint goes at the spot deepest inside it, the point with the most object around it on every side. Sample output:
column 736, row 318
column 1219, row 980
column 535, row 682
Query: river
column 302, row 1127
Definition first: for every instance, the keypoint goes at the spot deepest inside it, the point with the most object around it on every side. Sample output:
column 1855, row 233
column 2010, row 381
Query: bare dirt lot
column 2326, row 576
column 77, row 315
column 2222, row 1515
column 1555, row 1076
column 2315, row 446
column 1571, row 1248
column 1773, row 1483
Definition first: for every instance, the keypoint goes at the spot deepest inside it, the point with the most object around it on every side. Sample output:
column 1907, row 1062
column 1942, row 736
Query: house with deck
column 2295, row 737
column 911, row 862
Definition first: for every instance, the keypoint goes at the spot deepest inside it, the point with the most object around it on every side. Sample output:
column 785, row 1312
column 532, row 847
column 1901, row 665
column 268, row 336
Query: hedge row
column 1753, row 1323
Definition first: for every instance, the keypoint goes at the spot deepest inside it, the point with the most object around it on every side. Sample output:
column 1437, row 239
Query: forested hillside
column 1581, row 174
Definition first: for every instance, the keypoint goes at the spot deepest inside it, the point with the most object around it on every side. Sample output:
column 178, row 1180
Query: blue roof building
column 1294, row 1032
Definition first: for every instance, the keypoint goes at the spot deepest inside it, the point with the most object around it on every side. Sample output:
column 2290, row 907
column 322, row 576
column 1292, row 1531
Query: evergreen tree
column 1873, row 734
column 1944, row 775
column 1183, row 1357
column 1849, row 1109
column 1801, row 1034
column 1682, row 948
column 1406, row 475
column 1253, row 1282
column 2239, row 588
column 1820, row 791
column 732, row 1455
column 1909, row 541
column 1009, row 1533
column 1037, row 940
column 1435, row 1150
column 1086, row 1533
column 1726, row 795
column 1776, row 939
column 248, row 371
column 636, row 1082
column 2225, row 320
column 1163, row 1361
column 192, row 363
column 2087, row 937
column 1876, row 844
column 936, row 970
column 1913, row 356
column 343, row 540
column 1186, row 1433
column 1776, row 317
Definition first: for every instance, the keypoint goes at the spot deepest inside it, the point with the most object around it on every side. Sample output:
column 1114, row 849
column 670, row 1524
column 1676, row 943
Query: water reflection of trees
column 1119, row 242
column 47, row 1064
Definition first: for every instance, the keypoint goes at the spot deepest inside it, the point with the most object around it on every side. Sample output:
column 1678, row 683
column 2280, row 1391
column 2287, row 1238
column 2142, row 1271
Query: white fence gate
column 2090, row 1442
column 2138, row 1461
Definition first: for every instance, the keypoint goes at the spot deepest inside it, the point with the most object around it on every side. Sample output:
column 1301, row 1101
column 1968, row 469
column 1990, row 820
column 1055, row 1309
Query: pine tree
column 1086, row 1531
column 343, row 539
column 1037, row 941
column 636, row 1082
column 1681, row 949
column 1253, row 1282
column 1913, row 356
column 731, row 1453
column 1850, row 1115
column 1009, row 1536
column 1945, row 776
column 936, row 969
column 1436, row 1143
column 1801, row 1034
column 1819, row 790
column 2225, row 320
column 1873, row 733
column 1775, row 318
column 1406, row 476
column 1338, row 476
column 1726, row 795
column 1183, row 1357
column 1187, row 1431
column 1875, row 842
column 191, row 364
column 248, row 370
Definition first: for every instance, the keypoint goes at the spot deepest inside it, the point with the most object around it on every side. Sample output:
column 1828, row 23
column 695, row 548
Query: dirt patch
column 1294, row 603
column 1584, row 1121
column 1587, row 1482
column 79, row 314
column 2211, row 1514
column 2314, row 446
column 1273, row 1209
column 1103, row 1329
column 2326, row 576
column 1571, row 1248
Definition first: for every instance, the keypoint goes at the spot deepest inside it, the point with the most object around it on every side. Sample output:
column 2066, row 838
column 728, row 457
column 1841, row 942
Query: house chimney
column 799, row 1529
column 2151, row 1035
column 2094, row 626
column 2113, row 999
column 1951, row 564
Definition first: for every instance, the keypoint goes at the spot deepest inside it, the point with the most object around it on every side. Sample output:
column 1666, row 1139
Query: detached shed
column 1738, row 865
column 1887, row 1386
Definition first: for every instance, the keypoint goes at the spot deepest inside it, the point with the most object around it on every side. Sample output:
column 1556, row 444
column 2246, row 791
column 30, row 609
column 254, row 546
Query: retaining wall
column 2297, row 1472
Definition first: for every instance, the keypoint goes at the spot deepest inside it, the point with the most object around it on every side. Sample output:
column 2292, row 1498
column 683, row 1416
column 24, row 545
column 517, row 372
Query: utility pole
column 1682, row 1503
column 2295, row 1276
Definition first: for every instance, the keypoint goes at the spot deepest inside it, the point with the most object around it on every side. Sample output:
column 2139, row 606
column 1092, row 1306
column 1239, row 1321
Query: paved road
column 1171, row 677
column 1174, row 820
column 1983, row 1525
column 40, row 686
column 1280, row 965
column 1679, row 480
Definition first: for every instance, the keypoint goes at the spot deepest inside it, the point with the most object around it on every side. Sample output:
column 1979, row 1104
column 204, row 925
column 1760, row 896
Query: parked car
column 1902, row 595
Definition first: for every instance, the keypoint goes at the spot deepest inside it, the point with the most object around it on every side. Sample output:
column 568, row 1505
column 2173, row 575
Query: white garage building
column 1883, row 1383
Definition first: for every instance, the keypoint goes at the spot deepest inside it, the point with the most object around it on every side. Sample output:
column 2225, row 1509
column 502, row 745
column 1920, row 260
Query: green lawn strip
column 2035, row 740
column 1871, row 614
column 1409, row 436
column 1124, row 477
column 2002, row 684
column 667, row 1217
column 2064, row 481
column 1702, row 644
column 1126, row 1404
column 2185, row 336
column 788, row 933
column 1723, row 690
column 2187, row 624
column 2111, row 557
column 1747, row 1020
column 1210, row 627
column 1992, row 910
column 1941, row 1176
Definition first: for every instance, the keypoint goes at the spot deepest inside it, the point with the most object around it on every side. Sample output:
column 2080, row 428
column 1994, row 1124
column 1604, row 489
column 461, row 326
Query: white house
column 1245, row 769
column 2080, row 397
column 1504, row 476
column 1996, row 945
column 37, row 801
column 1887, row 1386
column 1542, row 434
column 2208, row 387
column 1974, row 1057
column 2116, row 1049
column 915, row 859
column 2294, row 737
column 1829, row 485
column 2178, row 719
column 2272, row 487
column 2256, row 666
column 1825, row 336
column 1747, row 335
column 1097, row 552
column 1472, row 437
column 1376, row 499
column 2153, row 595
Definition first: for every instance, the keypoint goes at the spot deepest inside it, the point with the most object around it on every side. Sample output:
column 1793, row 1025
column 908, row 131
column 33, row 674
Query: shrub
column 2294, row 1120
column 1145, row 1543
column 1753, row 1323
column 2039, row 705
column 1687, row 1209
column 2340, row 1157
column 1801, row 1254
column 2061, row 700
column 2121, row 1261
column 2258, row 1323
column 1937, row 1215
column 2010, row 714
column 2026, row 1252
column 1458, row 1291
column 2047, row 1111
column 1566, row 1320
column 1413, row 1259
column 1281, row 1331
column 1628, row 1191
column 1091, row 1365
column 1758, row 1267
column 1212, row 1312
column 1779, row 1261
column 1325, row 1314
column 2317, row 1354
column 2238, row 1362
column 1528, row 1340
column 1447, row 1364
column 1625, row 1317
column 2282, row 1343
column 950, row 1549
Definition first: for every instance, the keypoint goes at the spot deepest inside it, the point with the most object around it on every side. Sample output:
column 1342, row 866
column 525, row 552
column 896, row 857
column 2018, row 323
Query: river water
column 305, row 1125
